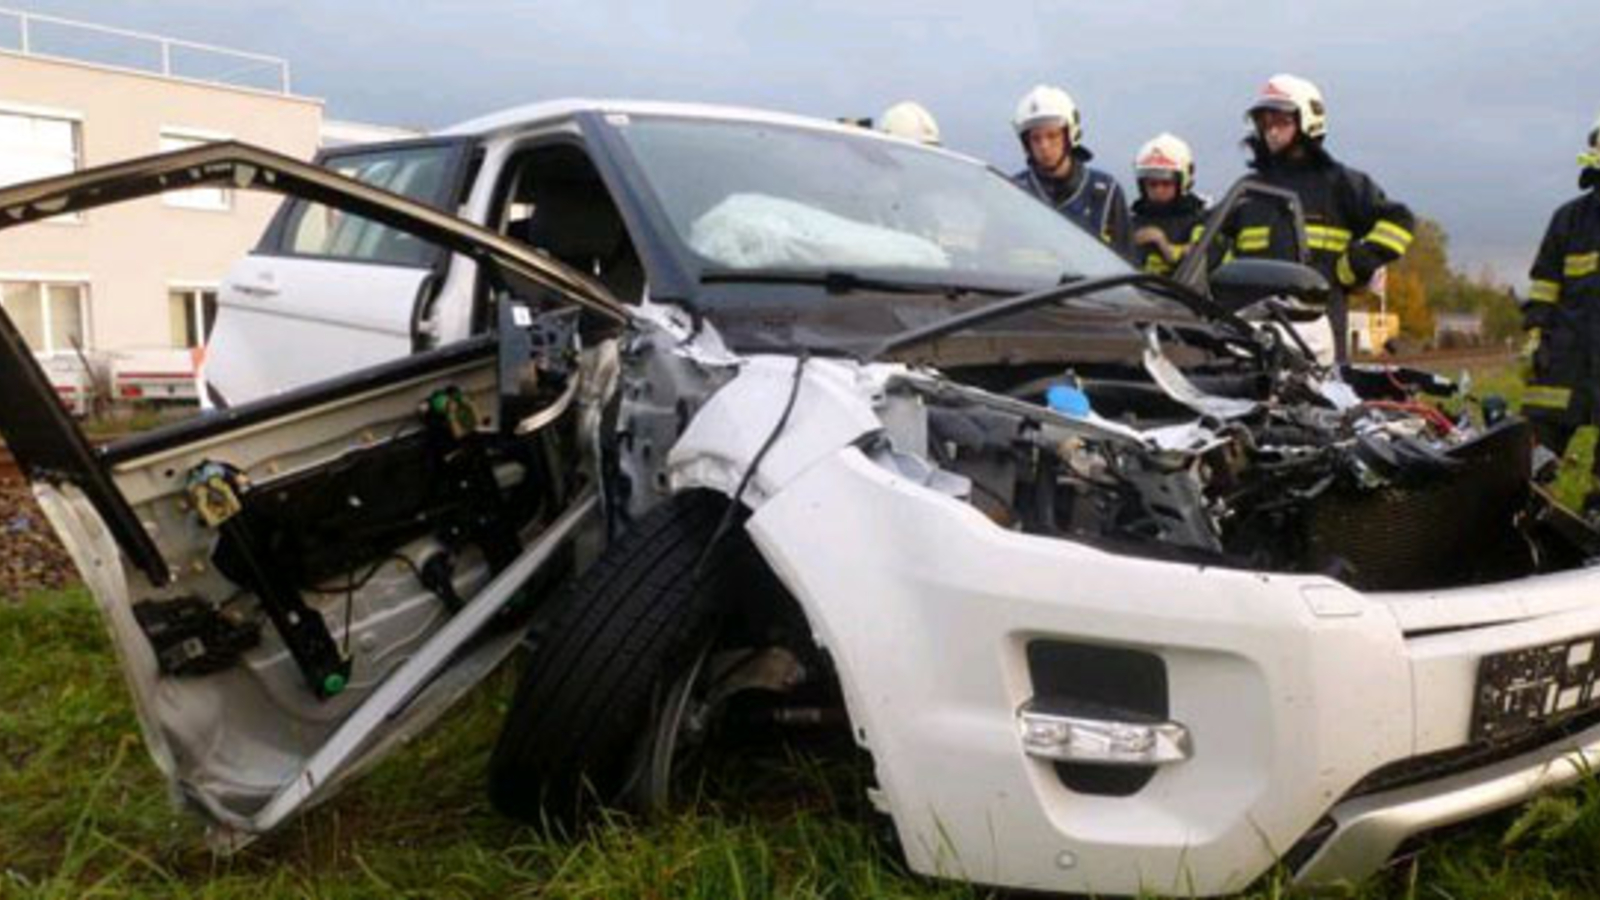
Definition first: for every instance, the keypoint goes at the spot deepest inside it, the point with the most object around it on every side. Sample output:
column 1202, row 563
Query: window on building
column 53, row 317
column 190, row 314
column 37, row 146
column 207, row 198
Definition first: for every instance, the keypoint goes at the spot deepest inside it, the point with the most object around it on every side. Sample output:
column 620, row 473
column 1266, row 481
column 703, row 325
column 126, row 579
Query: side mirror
column 1243, row 282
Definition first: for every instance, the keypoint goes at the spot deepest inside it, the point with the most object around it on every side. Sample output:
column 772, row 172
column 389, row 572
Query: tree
column 1408, row 299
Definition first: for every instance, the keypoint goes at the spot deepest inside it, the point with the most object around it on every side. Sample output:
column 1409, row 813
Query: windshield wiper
column 838, row 281
column 1072, row 288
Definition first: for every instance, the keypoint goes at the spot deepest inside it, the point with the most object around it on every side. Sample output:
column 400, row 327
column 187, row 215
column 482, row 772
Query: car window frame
column 465, row 158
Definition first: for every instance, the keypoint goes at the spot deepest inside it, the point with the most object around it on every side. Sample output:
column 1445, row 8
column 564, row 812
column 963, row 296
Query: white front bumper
column 1292, row 688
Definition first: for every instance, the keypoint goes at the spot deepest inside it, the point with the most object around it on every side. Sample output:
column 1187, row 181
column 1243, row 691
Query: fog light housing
column 1100, row 736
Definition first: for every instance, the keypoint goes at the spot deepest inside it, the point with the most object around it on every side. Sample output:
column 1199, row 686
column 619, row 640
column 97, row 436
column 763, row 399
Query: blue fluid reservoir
column 1068, row 400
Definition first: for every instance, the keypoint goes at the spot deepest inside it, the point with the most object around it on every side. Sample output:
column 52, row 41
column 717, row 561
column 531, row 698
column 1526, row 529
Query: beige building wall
column 131, row 253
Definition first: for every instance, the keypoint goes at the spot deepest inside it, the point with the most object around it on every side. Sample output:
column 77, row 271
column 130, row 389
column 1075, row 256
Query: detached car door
column 327, row 291
column 296, row 584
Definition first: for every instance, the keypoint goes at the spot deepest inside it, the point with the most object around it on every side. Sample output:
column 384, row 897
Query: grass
column 1574, row 480
column 83, row 813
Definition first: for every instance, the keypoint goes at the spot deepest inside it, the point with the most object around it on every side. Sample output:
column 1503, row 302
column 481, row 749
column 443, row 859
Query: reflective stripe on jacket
column 1181, row 221
column 1563, row 308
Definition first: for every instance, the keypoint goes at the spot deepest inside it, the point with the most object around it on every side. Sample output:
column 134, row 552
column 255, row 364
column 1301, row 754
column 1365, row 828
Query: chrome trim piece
column 1369, row 829
column 1062, row 737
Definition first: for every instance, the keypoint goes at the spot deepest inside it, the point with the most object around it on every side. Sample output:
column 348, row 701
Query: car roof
column 517, row 118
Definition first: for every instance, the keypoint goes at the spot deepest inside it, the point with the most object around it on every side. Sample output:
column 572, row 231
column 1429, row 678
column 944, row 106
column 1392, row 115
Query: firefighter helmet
column 1049, row 106
column 1590, row 157
column 1163, row 155
column 1291, row 93
column 910, row 120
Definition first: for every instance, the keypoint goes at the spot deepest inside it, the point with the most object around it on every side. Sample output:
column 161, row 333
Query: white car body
column 1283, row 696
column 1293, row 688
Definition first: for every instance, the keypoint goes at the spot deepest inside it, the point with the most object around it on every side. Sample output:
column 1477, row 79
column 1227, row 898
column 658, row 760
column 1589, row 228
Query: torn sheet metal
column 1181, row 389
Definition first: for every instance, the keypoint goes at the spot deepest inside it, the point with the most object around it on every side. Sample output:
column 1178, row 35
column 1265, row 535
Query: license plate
column 1520, row 690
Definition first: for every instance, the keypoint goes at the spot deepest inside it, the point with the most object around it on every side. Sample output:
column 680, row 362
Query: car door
column 325, row 291
column 296, row 585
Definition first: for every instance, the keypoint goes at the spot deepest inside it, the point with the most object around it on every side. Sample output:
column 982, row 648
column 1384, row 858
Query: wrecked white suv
column 795, row 422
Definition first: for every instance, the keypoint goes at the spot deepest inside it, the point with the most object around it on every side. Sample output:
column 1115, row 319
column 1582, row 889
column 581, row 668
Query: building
column 1371, row 331
column 1457, row 329
column 137, row 280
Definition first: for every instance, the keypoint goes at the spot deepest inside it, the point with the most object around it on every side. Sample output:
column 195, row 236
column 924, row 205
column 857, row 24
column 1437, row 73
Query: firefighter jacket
column 1087, row 196
column 1181, row 221
column 1563, row 307
column 1352, row 228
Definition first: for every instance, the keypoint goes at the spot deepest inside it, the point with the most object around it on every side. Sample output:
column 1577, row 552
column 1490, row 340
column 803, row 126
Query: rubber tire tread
column 626, row 624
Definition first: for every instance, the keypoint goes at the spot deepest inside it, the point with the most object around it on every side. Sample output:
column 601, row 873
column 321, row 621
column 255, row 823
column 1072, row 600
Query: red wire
column 1436, row 418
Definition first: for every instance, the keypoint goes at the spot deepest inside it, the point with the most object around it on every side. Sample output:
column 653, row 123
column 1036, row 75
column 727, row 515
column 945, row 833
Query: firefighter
column 1352, row 228
column 1050, row 128
column 1168, row 216
column 910, row 120
column 1562, row 317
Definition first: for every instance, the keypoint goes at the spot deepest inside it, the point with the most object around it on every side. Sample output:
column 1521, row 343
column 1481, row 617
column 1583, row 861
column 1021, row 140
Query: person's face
column 1160, row 190
column 1047, row 147
column 1276, row 127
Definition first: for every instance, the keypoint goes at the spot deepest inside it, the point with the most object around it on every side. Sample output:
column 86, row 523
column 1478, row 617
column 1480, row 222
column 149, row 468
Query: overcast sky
column 1471, row 111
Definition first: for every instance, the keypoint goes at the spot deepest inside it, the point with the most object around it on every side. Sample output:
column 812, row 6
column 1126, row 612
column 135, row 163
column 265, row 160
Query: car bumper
column 1293, row 689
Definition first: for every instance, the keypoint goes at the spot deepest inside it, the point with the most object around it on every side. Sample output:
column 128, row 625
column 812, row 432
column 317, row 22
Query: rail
column 51, row 37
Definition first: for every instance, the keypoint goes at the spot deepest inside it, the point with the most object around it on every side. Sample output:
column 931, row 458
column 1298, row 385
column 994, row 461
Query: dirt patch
column 31, row 558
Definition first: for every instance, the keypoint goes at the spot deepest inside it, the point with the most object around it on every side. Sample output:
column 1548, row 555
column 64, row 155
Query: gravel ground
column 30, row 556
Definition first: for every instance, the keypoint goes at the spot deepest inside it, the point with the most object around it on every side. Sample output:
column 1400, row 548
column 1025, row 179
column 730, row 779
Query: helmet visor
column 1278, row 104
column 1050, row 121
column 1157, row 173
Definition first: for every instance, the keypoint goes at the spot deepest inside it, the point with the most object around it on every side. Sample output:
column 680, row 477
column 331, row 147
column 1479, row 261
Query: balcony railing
column 49, row 37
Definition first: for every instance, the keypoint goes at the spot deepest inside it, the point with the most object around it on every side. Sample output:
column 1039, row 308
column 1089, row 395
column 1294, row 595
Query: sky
column 1472, row 111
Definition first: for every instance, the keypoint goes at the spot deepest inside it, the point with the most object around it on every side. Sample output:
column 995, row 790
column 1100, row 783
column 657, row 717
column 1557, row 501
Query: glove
column 1530, row 347
column 1356, row 266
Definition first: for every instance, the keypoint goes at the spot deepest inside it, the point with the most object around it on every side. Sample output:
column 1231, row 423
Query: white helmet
column 1052, row 106
column 1165, row 154
column 1291, row 93
column 1590, row 158
column 910, row 120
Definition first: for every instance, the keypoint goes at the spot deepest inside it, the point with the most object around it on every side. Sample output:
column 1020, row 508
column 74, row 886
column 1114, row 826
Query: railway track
column 1448, row 361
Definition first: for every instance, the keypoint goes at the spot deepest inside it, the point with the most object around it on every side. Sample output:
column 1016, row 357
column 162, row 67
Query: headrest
column 574, row 221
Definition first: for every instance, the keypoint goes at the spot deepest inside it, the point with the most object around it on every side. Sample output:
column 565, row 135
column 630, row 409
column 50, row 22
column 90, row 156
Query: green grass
column 83, row 813
column 1574, row 480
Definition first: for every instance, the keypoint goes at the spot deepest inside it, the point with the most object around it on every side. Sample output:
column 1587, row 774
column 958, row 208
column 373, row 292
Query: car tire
column 627, row 629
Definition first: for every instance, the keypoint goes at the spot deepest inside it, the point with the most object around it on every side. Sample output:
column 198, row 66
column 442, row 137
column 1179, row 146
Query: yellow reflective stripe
column 1544, row 291
column 1393, row 230
column 1345, row 274
column 1386, row 241
column 1547, row 396
column 1254, row 238
column 1326, row 237
column 1196, row 232
column 1391, row 236
column 1577, row 265
column 1156, row 264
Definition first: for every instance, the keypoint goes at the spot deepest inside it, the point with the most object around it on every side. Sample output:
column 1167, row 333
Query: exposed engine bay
column 1352, row 473
column 1349, row 474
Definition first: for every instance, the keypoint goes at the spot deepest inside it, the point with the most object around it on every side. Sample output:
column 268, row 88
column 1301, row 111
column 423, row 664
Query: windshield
column 746, row 197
